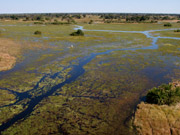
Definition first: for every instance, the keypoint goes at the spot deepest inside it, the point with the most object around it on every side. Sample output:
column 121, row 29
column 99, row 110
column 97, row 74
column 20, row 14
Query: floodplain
column 81, row 85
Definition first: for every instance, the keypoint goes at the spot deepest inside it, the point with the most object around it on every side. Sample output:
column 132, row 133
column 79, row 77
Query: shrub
column 37, row 32
column 38, row 23
column 178, row 21
column 91, row 22
column 56, row 23
column 177, row 30
column 167, row 25
column 77, row 33
column 108, row 21
column 152, row 21
column 163, row 95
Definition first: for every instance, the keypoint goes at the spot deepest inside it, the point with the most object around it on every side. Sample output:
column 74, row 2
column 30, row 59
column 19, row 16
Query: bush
column 56, row 23
column 167, row 25
column 77, row 33
column 91, row 22
column 38, row 23
column 153, row 21
column 178, row 22
column 177, row 30
column 163, row 95
column 37, row 32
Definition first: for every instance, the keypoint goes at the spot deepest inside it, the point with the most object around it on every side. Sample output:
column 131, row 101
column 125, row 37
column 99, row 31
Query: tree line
column 106, row 17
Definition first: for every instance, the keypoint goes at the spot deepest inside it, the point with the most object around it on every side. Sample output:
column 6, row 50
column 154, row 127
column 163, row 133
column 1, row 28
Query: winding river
column 77, row 71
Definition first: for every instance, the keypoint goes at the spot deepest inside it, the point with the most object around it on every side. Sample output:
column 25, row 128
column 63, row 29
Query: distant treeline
column 41, row 17
column 138, row 17
column 106, row 17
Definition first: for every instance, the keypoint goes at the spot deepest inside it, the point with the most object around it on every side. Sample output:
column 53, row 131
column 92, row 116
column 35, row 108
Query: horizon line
column 89, row 13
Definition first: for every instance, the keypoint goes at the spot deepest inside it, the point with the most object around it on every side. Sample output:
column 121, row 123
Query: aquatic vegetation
column 7, row 113
column 6, row 97
column 169, row 46
column 74, row 84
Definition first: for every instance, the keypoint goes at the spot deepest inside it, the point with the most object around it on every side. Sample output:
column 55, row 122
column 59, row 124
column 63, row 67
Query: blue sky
column 120, row 6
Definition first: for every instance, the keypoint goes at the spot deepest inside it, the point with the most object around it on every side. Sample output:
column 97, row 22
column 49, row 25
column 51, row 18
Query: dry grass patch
column 11, row 50
column 6, row 61
column 8, row 53
column 152, row 119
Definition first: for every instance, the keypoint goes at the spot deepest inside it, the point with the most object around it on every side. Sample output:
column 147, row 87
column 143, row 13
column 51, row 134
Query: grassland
column 170, row 33
column 129, row 27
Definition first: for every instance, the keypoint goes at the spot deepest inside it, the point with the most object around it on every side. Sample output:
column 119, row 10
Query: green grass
column 129, row 27
column 170, row 33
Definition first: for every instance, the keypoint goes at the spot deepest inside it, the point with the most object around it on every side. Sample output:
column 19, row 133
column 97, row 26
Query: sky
column 69, row 6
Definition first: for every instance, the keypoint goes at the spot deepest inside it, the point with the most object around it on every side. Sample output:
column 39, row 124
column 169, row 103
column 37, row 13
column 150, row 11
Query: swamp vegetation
column 87, row 84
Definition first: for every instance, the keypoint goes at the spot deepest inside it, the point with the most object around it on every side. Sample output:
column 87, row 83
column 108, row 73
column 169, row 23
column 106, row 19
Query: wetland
column 81, row 85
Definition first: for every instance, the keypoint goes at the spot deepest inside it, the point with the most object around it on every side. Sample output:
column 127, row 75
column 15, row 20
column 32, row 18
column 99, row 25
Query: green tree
column 164, row 94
